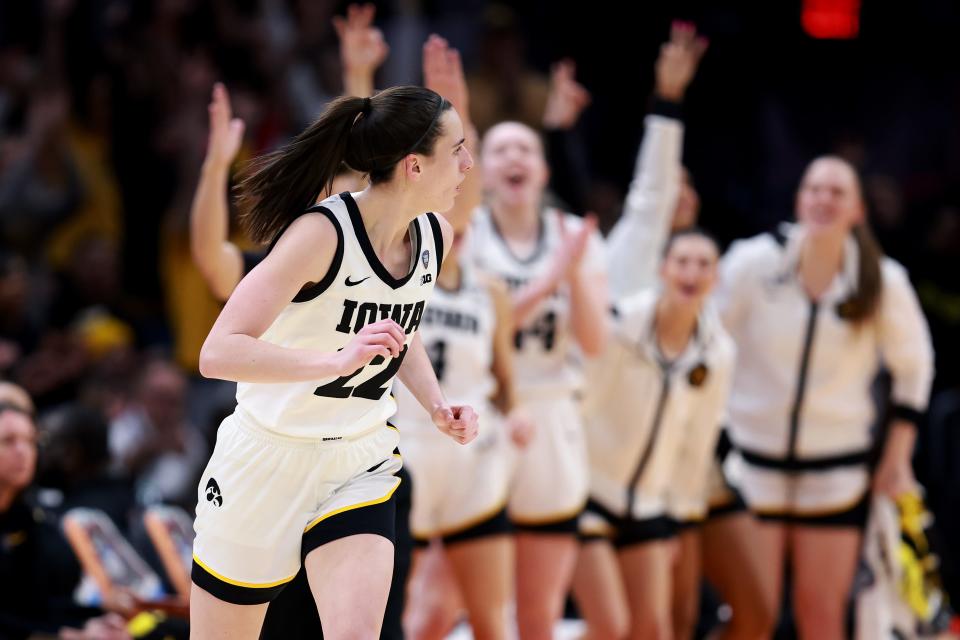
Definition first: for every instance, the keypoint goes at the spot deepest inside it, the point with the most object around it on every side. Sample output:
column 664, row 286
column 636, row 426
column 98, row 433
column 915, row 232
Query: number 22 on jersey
column 372, row 389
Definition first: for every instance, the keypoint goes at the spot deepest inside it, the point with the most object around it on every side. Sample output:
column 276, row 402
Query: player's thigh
column 545, row 564
column 350, row 581
column 647, row 575
column 685, row 595
column 484, row 570
column 215, row 619
column 599, row 591
column 824, row 561
column 744, row 558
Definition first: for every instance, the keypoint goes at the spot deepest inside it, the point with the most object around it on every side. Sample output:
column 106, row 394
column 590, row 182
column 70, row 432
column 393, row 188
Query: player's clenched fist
column 383, row 338
column 460, row 423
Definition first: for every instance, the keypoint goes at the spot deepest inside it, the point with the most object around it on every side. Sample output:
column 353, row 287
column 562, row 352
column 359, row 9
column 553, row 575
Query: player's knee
column 489, row 624
column 428, row 624
column 535, row 622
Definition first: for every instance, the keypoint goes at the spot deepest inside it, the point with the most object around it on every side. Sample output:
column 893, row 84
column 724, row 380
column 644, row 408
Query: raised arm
column 566, row 100
column 233, row 349
column 636, row 241
column 362, row 49
column 220, row 261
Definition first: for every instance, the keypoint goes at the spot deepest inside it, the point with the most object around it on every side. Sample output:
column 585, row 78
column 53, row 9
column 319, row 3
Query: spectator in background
column 20, row 322
column 152, row 441
column 38, row 568
column 76, row 465
column 89, row 278
column 503, row 87
column 39, row 180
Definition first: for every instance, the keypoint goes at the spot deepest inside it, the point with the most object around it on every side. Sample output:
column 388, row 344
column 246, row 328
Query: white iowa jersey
column 357, row 291
column 546, row 362
column 457, row 331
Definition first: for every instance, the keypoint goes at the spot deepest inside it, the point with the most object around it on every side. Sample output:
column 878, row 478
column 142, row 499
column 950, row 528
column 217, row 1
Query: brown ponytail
column 861, row 306
column 370, row 135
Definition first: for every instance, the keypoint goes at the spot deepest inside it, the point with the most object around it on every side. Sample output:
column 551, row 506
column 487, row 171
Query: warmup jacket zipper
column 801, row 382
column 648, row 451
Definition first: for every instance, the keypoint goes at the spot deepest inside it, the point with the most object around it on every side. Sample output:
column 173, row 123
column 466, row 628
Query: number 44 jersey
column 546, row 362
column 356, row 291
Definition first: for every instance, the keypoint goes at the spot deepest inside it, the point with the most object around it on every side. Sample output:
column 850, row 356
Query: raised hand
column 567, row 98
column 573, row 245
column 383, row 338
column 460, row 423
column 226, row 132
column 443, row 73
column 678, row 60
column 362, row 48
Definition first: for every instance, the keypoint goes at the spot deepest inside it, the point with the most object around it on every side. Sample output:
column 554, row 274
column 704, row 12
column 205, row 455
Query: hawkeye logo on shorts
column 213, row 492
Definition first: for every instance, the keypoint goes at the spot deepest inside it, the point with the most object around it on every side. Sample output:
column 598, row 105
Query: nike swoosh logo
column 353, row 284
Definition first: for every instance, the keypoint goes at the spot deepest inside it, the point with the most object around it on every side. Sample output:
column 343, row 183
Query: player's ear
column 412, row 167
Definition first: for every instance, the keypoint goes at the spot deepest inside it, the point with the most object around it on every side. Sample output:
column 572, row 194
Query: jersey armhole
column 437, row 239
column 309, row 293
column 251, row 259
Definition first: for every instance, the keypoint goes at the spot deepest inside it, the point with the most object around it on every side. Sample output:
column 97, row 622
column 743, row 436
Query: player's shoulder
column 310, row 244
column 758, row 250
column 315, row 224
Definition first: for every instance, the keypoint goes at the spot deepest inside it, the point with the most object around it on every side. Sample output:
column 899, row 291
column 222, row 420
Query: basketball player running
column 304, row 470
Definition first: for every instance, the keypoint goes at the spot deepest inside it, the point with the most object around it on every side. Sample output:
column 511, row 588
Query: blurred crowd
column 103, row 132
